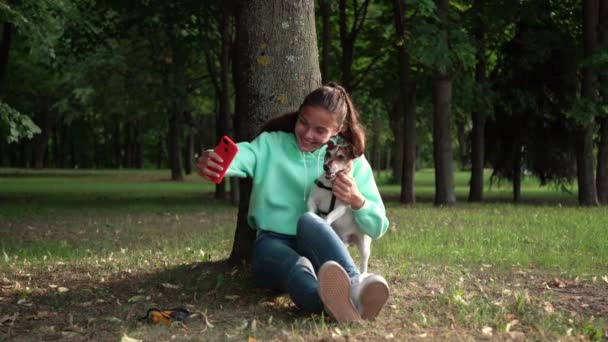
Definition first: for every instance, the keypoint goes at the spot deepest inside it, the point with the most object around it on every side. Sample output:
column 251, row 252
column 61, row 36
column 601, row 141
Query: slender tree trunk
column 396, row 114
column 602, row 163
column 174, row 147
column 348, row 46
column 407, row 96
column 222, row 122
column 267, row 80
column 442, row 132
column 5, row 46
column 517, row 173
column 478, row 117
column 325, row 6
column 159, row 152
column 587, row 195
column 139, row 150
column 41, row 141
column 189, row 150
column 59, row 145
column 348, row 37
column 461, row 136
column 602, row 158
column 442, row 142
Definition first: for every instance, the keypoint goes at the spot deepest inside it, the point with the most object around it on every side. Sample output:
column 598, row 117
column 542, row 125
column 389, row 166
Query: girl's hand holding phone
column 213, row 164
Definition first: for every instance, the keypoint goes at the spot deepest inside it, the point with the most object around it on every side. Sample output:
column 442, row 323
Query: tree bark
column 273, row 76
column 587, row 195
column 602, row 158
column 442, row 132
column 407, row 95
column 478, row 117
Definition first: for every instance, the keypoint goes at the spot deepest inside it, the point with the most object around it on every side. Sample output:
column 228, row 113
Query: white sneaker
column 369, row 293
column 335, row 292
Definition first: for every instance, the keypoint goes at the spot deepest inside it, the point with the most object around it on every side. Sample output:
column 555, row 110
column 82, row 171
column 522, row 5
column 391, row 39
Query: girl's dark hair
column 333, row 98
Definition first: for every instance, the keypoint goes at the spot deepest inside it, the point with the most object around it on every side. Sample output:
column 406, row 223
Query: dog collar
column 322, row 186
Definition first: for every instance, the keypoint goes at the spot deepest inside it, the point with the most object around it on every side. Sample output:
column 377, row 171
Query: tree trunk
column 5, row 46
column 461, row 137
column 442, row 133
column 587, row 195
column 517, row 173
column 189, row 153
column 325, row 6
column 139, row 147
column 273, row 75
column 374, row 154
column 407, row 96
column 602, row 163
column 396, row 114
column 602, row 158
column 348, row 46
column 174, row 147
column 41, row 141
column 348, row 37
column 222, row 123
column 159, row 151
column 478, row 117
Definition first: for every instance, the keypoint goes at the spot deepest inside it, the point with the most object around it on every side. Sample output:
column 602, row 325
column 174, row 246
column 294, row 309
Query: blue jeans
column 290, row 264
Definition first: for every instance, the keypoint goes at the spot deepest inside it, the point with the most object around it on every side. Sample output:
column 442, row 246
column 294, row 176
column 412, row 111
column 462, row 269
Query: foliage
column 15, row 126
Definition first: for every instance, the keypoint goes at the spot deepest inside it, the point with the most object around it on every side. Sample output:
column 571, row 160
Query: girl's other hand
column 345, row 189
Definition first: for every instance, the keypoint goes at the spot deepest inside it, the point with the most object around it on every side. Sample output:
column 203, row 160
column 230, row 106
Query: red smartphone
column 226, row 149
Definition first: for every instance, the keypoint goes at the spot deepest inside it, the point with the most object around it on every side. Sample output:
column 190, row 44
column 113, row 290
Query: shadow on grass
column 96, row 310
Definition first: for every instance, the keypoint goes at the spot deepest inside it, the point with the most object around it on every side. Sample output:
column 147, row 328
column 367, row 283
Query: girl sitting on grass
column 296, row 251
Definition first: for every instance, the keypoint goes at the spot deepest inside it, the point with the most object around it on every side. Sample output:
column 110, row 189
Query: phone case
column 226, row 149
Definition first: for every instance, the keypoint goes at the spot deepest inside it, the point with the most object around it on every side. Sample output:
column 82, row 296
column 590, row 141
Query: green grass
column 120, row 241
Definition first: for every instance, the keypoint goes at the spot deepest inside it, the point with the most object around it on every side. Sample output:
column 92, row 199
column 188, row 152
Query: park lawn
column 85, row 253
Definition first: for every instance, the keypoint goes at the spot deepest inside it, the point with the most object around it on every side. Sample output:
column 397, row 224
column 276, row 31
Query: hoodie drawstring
column 307, row 186
column 305, row 176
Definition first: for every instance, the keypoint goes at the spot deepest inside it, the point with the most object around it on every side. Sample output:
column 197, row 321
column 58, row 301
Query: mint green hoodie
column 283, row 177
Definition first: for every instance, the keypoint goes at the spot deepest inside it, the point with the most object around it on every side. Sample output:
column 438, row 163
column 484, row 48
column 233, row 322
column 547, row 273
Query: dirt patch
column 68, row 302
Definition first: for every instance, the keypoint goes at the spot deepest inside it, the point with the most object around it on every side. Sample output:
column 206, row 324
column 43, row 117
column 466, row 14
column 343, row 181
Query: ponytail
column 352, row 131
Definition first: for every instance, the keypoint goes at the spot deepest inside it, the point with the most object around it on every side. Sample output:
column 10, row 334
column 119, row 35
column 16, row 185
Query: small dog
column 338, row 214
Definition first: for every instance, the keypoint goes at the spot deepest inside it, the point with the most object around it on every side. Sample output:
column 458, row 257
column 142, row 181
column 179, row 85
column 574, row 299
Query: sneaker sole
column 334, row 290
column 373, row 297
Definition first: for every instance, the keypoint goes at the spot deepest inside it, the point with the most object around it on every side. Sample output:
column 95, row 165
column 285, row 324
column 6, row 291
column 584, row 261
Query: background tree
column 405, row 108
column 442, row 136
column 602, row 158
column 587, row 194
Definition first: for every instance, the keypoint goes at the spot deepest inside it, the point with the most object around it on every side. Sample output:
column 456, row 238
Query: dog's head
column 336, row 158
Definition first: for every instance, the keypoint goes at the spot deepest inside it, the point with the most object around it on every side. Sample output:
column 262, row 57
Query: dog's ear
column 352, row 153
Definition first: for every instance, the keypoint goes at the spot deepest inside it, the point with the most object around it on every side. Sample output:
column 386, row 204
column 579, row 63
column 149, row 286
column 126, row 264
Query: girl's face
column 314, row 127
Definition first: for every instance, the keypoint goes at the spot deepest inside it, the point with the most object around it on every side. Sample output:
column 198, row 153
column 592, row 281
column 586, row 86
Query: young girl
column 295, row 251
